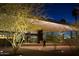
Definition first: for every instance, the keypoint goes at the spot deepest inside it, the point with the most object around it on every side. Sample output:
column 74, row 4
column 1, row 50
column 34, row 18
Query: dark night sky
column 60, row 10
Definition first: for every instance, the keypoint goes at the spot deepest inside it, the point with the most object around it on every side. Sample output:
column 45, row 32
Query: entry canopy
column 34, row 25
column 52, row 27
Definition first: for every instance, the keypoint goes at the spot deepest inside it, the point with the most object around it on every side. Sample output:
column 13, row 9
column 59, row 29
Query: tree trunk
column 15, row 49
column 76, row 25
column 71, row 35
column 14, row 45
column 63, row 37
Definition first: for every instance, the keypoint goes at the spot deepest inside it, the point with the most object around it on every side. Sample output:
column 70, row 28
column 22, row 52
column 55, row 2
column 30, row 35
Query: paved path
column 58, row 50
column 48, row 50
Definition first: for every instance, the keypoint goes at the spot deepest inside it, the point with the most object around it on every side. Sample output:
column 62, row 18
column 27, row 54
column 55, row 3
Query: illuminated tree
column 15, row 18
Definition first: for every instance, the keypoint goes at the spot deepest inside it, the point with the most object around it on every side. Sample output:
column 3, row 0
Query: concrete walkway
column 39, row 50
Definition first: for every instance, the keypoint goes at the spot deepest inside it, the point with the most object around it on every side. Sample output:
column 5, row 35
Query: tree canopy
column 13, row 17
